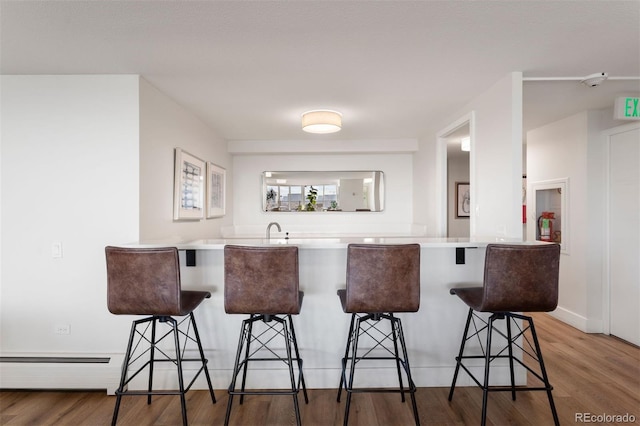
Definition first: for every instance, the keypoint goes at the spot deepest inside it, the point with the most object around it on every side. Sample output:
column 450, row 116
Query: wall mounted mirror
column 336, row 191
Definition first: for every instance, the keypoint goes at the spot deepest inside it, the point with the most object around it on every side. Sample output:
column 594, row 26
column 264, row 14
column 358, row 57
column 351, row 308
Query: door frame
column 441, row 173
column 606, row 267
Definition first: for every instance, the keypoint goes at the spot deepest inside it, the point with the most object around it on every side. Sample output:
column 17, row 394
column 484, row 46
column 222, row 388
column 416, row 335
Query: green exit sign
column 627, row 108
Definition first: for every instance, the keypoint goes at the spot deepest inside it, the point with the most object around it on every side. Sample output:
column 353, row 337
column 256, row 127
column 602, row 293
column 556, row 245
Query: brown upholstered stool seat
column 517, row 278
column 263, row 282
column 381, row 280
column 146, row 281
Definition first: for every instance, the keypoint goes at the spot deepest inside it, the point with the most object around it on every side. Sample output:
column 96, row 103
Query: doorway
column 455, row 179
column 458, row 195
column 623, row 232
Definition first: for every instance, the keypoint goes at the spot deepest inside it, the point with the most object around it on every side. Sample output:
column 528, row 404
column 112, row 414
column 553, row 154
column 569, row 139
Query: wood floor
column 591, row 373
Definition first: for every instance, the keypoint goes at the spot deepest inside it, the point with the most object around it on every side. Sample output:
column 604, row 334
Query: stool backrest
column 261, row 280
column 383, row 278
column 143, row 281
column 521, row 278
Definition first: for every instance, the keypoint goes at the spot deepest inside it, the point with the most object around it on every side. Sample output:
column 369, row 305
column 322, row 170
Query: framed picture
column 188, row 186
column 216, row 180
column 463, row 205
column 524, row 198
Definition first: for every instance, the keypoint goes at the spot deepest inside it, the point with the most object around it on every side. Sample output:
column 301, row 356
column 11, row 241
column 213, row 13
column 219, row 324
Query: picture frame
column 463, row 200
column 188, row 186
column 524, row 198
column 216, row 192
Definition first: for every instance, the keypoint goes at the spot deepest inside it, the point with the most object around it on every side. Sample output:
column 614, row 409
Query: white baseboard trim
column 595, row 326
column 70, row 375
column 580, row 322
column 59, row 371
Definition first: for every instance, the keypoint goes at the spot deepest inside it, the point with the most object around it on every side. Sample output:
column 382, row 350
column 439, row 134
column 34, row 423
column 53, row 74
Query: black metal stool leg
column 412, row 386
column 485, row 387
column 460, row 354
column 399, row 352
column 393, row 320
column 183, row 402
column 152, row 357
column 508, row 319
column 249, row 335
column 287, row 344
column 489, row 357
column 299, row 360
column 343, row 377
column 543, row 371
column 236, row 369
column 123, row 375
column 246, row 335
column 349, row 384
column 204, row 360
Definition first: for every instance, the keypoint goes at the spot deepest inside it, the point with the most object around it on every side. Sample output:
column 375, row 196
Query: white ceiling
column 250, row 68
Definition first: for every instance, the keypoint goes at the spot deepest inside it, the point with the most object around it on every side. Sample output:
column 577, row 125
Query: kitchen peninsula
column 432, row 334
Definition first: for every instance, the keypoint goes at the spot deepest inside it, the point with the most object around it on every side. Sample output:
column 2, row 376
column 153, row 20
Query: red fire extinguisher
column 545, row 226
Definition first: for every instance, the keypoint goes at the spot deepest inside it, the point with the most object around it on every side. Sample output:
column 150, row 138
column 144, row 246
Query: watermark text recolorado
column 604, row 418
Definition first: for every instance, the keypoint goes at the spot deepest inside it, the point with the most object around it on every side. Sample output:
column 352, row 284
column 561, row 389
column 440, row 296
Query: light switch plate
column 56, row 250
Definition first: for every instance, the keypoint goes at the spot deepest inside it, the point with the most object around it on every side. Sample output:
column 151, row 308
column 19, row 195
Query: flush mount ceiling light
column 594, row 80
column 321, row 121
column 465, row 144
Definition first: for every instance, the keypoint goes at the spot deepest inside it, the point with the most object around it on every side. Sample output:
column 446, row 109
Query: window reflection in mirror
column 326, row 191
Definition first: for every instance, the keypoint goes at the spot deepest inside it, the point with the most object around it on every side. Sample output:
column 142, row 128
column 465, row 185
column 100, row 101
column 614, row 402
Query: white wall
column 558, row 151
column 165, row 125
column 424, row 179
column 573, row 148
column 496, row 160
column 495, row 169
column 396, row 218
column 86, row 161
column 70, row 172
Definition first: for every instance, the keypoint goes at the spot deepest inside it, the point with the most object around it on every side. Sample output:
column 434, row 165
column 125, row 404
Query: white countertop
column 321, row 242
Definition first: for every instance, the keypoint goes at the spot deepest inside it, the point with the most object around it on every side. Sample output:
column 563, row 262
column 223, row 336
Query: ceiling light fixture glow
column 321, row 121
column 465, row 144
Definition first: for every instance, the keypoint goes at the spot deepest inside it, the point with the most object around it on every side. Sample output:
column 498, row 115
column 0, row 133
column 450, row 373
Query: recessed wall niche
column 551, row 211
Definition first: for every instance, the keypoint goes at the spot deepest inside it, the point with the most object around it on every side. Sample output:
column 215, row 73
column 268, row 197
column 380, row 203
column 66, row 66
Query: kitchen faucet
column 269, row 229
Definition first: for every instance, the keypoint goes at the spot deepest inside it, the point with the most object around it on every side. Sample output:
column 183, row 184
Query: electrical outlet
column 62, row 329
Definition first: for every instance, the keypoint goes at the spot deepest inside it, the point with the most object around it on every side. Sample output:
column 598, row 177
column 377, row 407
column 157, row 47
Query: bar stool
column 262, row 282
column 147, row 282
column 381, row 280
column 517, row 278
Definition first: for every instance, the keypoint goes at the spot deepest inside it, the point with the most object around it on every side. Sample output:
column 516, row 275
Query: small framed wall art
column 463, row 206
column 216, row 194
column 188, row 195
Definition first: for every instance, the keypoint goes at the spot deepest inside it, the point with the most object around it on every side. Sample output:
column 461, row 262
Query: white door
column 624, row 233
